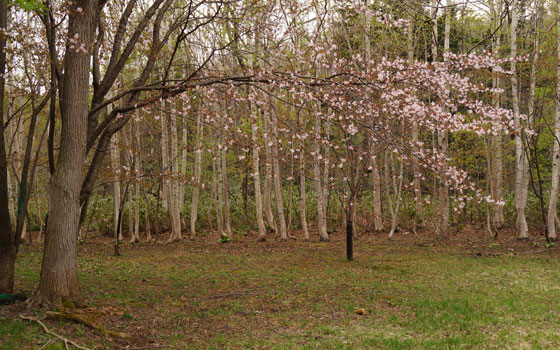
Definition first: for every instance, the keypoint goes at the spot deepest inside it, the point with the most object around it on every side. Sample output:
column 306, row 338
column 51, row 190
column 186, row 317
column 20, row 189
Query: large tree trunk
column 7, row 238
column 7, row 260
column 59, row 278
column 553, row 203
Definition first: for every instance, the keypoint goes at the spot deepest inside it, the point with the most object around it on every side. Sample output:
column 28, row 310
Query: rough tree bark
column 59, row 278
column 8, row 247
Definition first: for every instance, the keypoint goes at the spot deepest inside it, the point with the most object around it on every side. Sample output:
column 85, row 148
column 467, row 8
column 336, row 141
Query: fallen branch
column 512, row 253
column 226, row 295
column 48, row 331
column 91, row 323
column 532, row 251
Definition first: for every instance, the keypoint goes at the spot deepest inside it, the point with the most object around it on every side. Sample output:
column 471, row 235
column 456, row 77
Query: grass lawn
column 468, row 292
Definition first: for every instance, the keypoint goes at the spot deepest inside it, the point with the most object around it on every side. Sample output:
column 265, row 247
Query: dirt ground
column 202, row 293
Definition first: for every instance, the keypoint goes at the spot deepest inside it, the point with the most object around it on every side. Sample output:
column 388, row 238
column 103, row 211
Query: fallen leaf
column 361, row 312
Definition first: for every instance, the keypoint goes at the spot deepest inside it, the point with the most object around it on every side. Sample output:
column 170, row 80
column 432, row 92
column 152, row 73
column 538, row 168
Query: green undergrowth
column 304, row 295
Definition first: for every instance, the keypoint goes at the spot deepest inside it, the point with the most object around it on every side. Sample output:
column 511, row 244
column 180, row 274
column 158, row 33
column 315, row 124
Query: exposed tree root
column 414, row 226
column 89, row 322
column 48, row 331
column 39, row 300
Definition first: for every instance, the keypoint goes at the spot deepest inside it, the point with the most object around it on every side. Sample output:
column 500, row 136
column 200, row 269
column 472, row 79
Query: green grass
column 244, row 295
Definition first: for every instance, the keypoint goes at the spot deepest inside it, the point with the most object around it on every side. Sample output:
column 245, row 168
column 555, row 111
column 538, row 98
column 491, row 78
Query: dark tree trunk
column 59, row 277
column 7, row 238
column 349, row 238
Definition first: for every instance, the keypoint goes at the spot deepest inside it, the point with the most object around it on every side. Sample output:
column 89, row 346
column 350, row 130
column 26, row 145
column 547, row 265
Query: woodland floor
column 466, row 291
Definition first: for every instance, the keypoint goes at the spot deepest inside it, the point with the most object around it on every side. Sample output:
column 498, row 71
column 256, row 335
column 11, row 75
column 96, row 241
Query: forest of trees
column 156, row 120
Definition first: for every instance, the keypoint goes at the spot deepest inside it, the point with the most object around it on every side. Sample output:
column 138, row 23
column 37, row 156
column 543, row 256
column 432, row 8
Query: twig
column 47, row 343
column 218, row 296
column 66, row 341
column 523, row 252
